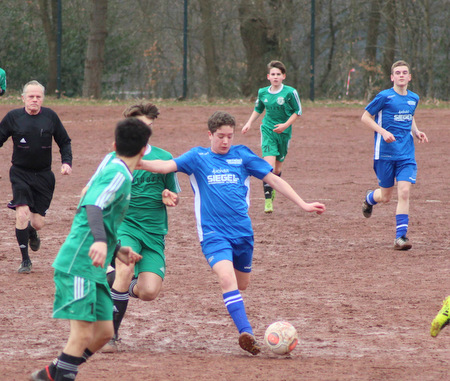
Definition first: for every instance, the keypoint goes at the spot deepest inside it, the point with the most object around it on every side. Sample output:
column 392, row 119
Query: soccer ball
column 281, row 337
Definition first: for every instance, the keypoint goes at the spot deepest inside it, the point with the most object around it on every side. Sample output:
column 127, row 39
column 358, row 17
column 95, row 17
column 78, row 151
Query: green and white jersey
column 109, row 189
column 2, row 79
column 279, row 106
column 147, row 213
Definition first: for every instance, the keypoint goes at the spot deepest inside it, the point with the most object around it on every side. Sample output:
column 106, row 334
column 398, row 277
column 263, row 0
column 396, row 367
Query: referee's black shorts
column 34, row 189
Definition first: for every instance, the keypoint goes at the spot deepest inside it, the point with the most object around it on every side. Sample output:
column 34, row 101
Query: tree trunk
column 371, row 47
column 332, row 27
column 93, row 65
column 212, row 69
column 260, row 43
column 389, row 52
column 48, row 14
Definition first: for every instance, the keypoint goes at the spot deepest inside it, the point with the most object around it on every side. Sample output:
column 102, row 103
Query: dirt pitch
column 362, row 310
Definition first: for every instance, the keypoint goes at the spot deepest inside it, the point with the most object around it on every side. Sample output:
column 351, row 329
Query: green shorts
column 152, row 250
column 273, row 144
column 78, row 298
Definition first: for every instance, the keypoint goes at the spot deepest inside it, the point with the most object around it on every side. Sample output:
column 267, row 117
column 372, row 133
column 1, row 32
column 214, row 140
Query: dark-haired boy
column 82, row 293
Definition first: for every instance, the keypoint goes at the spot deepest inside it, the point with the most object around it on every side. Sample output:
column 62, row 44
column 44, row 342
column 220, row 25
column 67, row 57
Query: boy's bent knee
column 148, row 295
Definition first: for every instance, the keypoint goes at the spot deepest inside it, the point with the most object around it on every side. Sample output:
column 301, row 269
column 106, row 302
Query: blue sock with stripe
column 402, row 225
column 235, row 306
column 370, row 200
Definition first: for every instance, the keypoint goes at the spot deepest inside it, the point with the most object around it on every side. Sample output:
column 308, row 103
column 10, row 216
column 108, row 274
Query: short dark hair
column 277, row 65
column 400, row 63
column 219, row 119
column 131, row 135
column 142, row 109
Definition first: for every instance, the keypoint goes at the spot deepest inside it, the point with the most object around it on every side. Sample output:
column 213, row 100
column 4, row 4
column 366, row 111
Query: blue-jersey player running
column 220, row 179
column 391, row 116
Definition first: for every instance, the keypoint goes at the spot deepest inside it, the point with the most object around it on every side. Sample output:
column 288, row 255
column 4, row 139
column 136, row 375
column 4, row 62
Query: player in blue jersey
column 220, row 179
column 391, row 116
column 282, row 106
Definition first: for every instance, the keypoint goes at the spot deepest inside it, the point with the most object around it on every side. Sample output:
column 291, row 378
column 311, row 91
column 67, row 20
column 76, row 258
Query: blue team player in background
column 220, row 179
column 391, row 116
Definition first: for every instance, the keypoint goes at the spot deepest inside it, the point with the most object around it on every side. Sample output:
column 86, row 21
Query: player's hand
column 128, row 256
column 421, row 136
column 315, row 207
column 66, row 169
column 97, row 252
column 169, row 198
column 279, row 128
column 245, row 128
column 140, row 165
column 388, row 137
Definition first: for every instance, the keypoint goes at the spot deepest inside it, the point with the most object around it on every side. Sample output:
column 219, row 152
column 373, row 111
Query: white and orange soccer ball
column 281, row 337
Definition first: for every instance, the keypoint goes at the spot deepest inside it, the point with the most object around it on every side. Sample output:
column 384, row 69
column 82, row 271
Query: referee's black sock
column 22, row 239
column 267, row 190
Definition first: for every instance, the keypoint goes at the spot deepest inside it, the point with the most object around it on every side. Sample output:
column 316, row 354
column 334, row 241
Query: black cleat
column 34, row 241
column 25, row 267
column 367, row 208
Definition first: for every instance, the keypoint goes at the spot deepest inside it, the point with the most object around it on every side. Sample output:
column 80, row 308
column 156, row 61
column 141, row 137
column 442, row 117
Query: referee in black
column 33, row 129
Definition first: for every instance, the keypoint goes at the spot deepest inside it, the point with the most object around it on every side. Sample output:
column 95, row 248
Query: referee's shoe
column 34, row 240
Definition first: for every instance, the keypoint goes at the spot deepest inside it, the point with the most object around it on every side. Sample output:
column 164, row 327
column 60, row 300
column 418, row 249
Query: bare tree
column 370, row 60
column 212, row 69
column 48, row 14
column 93, row 67
column 260, row 42
column 389, row 50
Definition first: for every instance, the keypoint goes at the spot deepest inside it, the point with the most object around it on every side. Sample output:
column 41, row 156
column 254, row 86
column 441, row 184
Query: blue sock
column 235, row 306
column 402, row 225
column 370, row 200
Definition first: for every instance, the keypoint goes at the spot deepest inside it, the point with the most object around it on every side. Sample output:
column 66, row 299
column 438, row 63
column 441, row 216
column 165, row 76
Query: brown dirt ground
column 362, row 310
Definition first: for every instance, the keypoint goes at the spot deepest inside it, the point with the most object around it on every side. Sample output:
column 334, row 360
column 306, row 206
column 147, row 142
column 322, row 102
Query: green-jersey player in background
column 282, row 106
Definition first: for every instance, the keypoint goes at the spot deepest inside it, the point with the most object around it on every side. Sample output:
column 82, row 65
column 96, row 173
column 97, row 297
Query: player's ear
column 114, row 146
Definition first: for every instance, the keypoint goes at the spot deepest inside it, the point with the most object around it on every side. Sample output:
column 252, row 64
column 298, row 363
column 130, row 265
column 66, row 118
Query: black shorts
column 34, row 189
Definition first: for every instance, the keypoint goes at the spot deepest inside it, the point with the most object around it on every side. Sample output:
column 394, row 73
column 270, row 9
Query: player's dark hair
column 277, row 65
column 131, row 135
column 400, row 63
column 142, row 109
column 219, row 119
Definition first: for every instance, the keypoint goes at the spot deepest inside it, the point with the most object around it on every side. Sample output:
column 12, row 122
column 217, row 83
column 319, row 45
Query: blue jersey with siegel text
column 221, row 185
column 394, row 112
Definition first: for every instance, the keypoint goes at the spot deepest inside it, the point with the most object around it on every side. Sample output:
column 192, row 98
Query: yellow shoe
column 273, row 194
column 268, row 207
column 441, row 319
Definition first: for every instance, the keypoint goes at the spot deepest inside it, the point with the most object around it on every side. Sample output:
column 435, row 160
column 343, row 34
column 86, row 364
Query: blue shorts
column 238, row 250
column 388, row 171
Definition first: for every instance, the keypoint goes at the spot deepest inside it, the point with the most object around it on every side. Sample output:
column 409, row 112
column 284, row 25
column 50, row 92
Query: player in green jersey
column 282, row 105
column 143, row 229
column 2, row 82
column 82, row 294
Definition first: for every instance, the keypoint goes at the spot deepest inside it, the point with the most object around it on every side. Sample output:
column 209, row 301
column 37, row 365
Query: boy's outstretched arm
column 255, row 115
column 127, row 255
column 157, row 166
column 286, row 190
